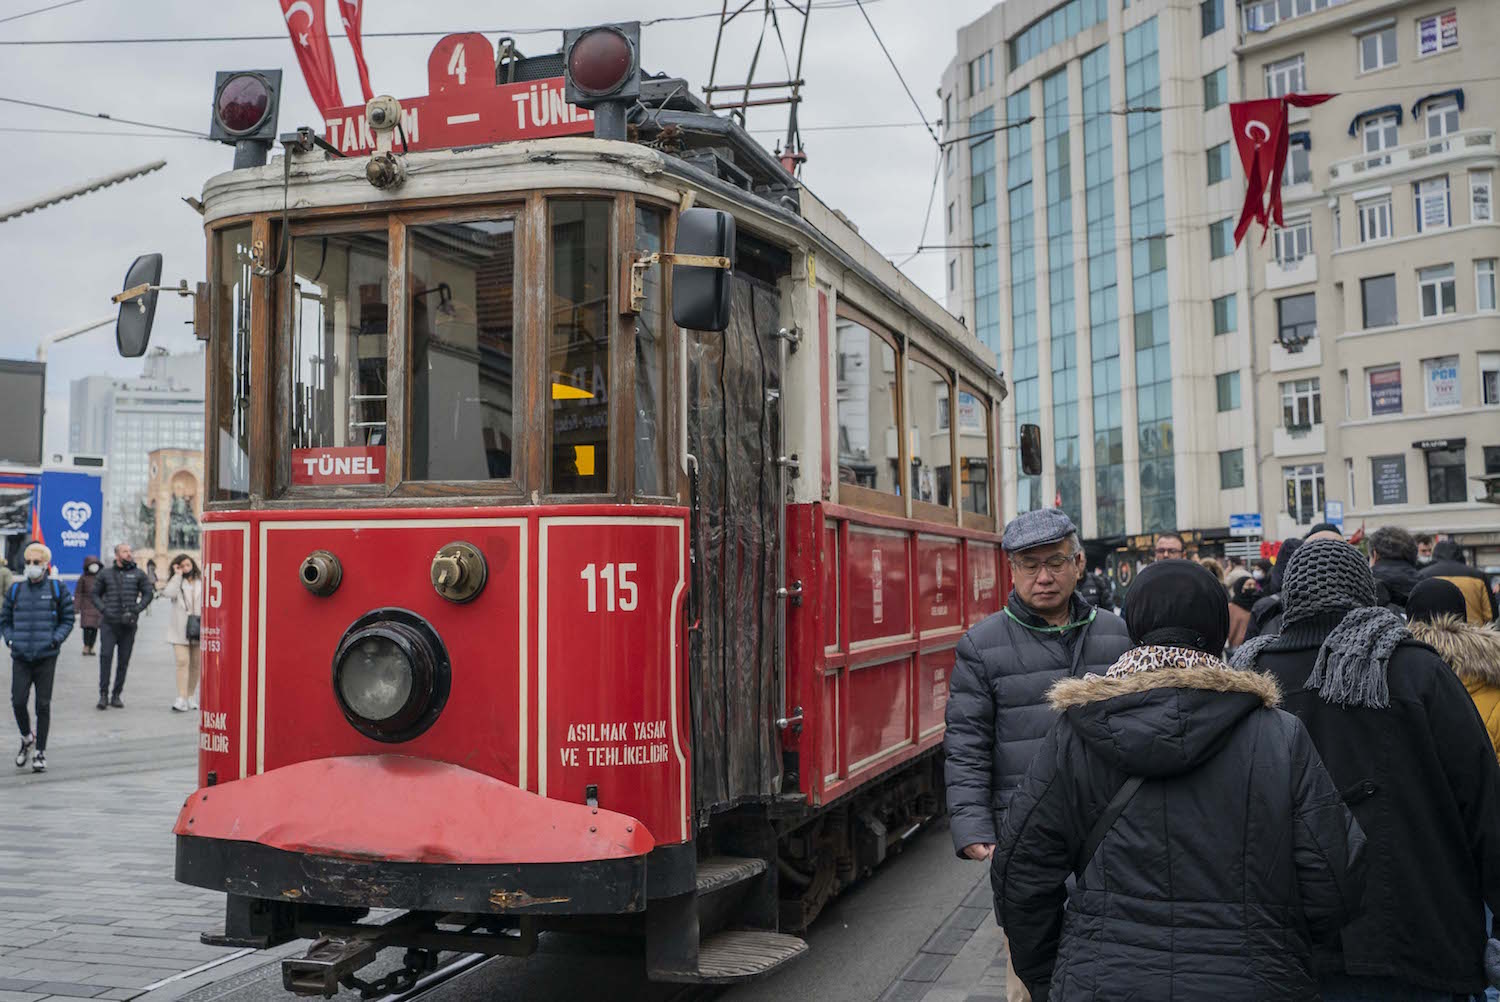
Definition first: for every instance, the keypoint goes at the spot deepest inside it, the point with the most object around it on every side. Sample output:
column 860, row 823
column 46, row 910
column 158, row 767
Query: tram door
column 734, row 383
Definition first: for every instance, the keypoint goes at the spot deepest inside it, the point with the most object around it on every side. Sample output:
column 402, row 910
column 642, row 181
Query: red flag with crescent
column 1260, row 134
column 351, row 11
column 307, row 23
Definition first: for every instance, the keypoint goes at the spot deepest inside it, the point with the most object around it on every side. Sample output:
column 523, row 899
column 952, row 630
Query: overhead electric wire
column 937, row 175
column 100, row 115
column 96, row 132
column 881, row 42
column 39, row 10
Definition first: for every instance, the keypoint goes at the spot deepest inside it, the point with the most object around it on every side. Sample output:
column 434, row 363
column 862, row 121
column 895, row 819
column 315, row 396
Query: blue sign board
column 70, row 516
column 1247, row 524
column 1333, row 512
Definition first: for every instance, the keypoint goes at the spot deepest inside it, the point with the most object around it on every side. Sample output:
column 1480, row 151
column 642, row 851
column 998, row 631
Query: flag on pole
column 351, row 11
column 1260, row 134
column 307, row 23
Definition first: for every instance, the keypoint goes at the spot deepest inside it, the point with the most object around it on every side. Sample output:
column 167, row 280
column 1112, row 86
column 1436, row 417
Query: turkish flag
column 1260, row 134
column 307, row 23
column 351, row 11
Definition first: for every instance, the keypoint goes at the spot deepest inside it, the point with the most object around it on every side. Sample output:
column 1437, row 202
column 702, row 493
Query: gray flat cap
column 1037, row 528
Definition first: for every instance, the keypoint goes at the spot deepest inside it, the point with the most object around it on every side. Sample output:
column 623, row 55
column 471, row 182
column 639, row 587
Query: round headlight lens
column 243, row 103
column 375, row 678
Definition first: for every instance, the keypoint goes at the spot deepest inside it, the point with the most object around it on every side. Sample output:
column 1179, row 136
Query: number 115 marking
column 613, row 575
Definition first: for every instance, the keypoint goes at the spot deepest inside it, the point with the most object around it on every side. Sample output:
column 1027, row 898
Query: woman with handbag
column 185, row 592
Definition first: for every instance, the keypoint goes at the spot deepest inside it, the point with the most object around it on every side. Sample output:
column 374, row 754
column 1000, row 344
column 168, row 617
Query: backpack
column 15, row 593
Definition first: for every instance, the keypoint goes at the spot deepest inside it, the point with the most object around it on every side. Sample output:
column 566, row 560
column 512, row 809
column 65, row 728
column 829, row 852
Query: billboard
column 22, row 388
column 70, row 513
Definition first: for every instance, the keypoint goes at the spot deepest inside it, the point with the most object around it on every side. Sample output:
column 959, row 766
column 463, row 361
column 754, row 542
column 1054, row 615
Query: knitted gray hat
column 1325, row 576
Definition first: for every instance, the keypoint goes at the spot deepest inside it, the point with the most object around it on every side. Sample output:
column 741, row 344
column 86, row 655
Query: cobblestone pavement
column 962, row 961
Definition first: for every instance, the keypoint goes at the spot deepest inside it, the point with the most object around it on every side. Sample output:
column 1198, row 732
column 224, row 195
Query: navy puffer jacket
column 36, row 618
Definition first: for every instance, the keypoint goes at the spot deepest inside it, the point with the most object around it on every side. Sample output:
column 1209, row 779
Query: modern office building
column 1085, row 199
column 1377, row 337
column 128, row 419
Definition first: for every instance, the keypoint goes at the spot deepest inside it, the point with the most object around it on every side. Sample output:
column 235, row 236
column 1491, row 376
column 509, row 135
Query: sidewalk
column 962, row 961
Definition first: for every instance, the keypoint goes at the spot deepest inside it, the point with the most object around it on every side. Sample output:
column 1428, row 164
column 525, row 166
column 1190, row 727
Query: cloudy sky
column 59, row 266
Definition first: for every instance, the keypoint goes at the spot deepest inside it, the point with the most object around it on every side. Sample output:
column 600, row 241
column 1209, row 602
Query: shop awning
column 1384, row 109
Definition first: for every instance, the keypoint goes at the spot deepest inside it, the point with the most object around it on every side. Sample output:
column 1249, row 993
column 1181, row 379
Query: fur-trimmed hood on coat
column 1164, row 711
column 1473, row 652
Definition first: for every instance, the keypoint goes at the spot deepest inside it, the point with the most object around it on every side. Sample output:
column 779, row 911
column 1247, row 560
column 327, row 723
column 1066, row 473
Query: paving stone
column 926, row 967
column 16, row 984
column 947, row 941
column 20, row 997
column 905, row 991
column 967, row 918
column 120, row 994
column 66, row 988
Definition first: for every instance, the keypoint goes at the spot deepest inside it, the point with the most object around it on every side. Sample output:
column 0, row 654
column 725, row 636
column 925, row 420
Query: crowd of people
column 38, row 613
column 1266, row 781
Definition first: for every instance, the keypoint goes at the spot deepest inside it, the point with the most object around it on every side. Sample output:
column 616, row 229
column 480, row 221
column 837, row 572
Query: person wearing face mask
column 88, row 615
column 35, row 619
column 121, row 594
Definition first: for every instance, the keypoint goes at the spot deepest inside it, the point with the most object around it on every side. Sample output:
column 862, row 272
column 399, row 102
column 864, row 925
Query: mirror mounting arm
column 638, row 263
column 138, row 292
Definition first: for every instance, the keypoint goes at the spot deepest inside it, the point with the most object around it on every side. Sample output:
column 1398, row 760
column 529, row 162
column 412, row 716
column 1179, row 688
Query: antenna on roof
column 767, row 92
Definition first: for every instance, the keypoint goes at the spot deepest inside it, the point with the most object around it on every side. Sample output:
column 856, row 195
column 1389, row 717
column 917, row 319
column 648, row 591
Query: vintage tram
column 556, row 575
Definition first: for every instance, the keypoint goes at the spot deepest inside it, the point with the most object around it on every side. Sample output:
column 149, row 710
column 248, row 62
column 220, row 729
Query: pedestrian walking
column 1393, row 561
column 185, row 591
column 1447, row 564
column 121, row 593
column 1235, row 571
column 1210, row 846
column 7, row 576
column 1265, row 614
column 35, row 618
column 88, row 613
column 1438, row 616
column 1243, row 595
column 1406, row 747
column 1169, row 546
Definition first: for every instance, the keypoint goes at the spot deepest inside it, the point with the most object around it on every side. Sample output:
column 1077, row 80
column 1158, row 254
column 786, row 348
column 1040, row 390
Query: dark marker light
column 243, row 102
column 391, row 675
column 600, row 61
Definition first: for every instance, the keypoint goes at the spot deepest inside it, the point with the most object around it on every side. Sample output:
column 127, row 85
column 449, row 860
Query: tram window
column 973, row 453
column 231, row 372
column 869, row 452
column 338, row 343
column 650, row 364
column 931, row 445
column 462, row 327
column 578, row 348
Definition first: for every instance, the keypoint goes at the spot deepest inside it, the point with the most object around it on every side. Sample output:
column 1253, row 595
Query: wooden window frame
column 969, row 519
column 926, row 511
column 853, row 495
column 669, row 407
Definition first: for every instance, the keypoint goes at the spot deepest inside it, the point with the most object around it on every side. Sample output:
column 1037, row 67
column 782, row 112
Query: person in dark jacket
column 1265, row 614
column 35, row 618
column 88, row 613
column 1404, row 743
column 1210, row 845
column 1393, row 562
column 121, row 593
column 997, row 711
column 1448, row 565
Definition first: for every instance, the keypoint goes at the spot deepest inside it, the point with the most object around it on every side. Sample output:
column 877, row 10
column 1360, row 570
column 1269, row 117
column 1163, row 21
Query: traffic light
column 246, row 106
column 602, row 71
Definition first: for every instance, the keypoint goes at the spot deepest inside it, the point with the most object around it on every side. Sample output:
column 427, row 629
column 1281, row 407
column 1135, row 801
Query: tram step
column 727, row 957
column 718, row 872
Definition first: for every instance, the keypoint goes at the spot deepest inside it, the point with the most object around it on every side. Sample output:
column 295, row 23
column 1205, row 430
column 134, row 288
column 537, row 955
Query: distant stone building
column 172, row 508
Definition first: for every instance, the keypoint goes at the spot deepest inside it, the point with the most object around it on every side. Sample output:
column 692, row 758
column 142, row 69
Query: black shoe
column 117, row 702
column 103, row 703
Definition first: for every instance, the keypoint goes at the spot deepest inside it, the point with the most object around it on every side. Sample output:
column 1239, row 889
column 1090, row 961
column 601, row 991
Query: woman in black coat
column 1221, row 848
column 1403, row 741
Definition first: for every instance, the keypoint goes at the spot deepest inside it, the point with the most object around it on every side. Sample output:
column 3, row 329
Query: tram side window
column 973, row 453
column 869, row 452
column 338, row 352
column 650, row 364
column 931, row 445
column 462, row 327
column 578, row 347
column 231, row 318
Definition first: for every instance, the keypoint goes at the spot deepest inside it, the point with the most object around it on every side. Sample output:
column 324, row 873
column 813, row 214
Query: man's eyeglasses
column 1030, row 567
column 1169, row 551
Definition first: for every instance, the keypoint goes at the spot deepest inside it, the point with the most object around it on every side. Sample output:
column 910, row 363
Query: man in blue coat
column 35, row 619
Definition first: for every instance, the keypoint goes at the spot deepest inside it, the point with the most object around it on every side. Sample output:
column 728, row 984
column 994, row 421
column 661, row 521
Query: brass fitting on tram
column 384, row 169
column 459, row 572
column 321, row 573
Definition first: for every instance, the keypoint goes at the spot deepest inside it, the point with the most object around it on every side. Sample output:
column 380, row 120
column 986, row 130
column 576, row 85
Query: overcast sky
column 59, row 266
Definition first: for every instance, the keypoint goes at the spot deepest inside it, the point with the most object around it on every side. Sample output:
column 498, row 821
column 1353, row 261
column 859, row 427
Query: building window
column 1377, row 50
column 1218, row 163
column 1298, row 162
column 1294, row 242
column 1385, row 390
column 1388, row 480
column 1304, row 492
column 1287, row 76
column 1432, row 203
column 952, row 275
column 1442, row 118
column 1437, row 33
column 1374, row 219
column 1440, row 376
column 1489, row 378
column 1379, row 133
column 1379, row 296
column 1231, row 469
column 1301, row 404
column 1481, row 206
column 1296, row 320
column 1491, row 460
column 1484, row 283
column 950, row 217
column 1263, row 15
column 1216, row 88
column 1437, row 291
column 1226, row 317
column 1446, row 482
column 1344, row 381
column 1228, row 386
column 1212, row 12
column 1349, row 476
column 1221, row 238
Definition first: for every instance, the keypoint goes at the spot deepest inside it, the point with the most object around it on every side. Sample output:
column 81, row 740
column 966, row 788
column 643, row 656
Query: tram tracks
column 466, row 964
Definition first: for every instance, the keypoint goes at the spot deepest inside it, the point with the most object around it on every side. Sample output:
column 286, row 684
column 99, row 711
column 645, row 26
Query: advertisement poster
column 1388, row 479
column 1385, row 391
column 1442, row 382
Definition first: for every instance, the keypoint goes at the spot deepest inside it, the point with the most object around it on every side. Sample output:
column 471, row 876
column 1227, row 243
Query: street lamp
column 71, row 332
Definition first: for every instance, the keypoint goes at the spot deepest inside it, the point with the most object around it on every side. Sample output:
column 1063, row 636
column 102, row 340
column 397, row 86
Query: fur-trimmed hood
column 1165, row 719
column 1473, row 652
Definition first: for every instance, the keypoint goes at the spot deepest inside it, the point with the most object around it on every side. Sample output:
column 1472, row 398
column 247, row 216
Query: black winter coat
column 36, row 618
column 1232, row 858
column 121, row 594
column 1398, row 576
column 1421, row 778
column 997, row 710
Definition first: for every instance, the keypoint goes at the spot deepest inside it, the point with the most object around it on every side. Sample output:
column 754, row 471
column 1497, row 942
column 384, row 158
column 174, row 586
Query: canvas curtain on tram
column 732, row 429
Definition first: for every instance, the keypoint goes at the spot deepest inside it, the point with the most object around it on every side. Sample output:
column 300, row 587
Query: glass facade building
column 1062, row 314
column 983, row 195
column 1026, row 382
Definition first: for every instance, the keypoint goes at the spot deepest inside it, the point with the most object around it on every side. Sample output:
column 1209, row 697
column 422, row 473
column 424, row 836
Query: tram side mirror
column 701, row 293
column 1031, row 450
column 138, row 312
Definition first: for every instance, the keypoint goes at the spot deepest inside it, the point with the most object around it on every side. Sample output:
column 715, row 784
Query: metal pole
column 63, row 335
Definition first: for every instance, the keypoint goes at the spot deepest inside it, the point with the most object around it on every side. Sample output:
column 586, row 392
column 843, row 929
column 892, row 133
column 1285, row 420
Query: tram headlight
column 391, row 675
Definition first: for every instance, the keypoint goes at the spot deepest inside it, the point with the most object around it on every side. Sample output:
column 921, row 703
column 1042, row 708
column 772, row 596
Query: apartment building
column 1377, row 340
column 1088, row 256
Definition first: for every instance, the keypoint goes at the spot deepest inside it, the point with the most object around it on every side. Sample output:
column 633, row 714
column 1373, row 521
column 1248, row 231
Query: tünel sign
column 339, row 466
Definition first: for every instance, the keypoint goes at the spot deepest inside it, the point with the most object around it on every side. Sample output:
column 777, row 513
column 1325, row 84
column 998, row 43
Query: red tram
column 556, row 575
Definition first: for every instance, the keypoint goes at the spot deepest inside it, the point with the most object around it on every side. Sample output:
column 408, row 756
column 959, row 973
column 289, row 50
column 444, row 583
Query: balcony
column 1425, row 155
column 1281, row 275
column 1308, row 440
column 1283, row 359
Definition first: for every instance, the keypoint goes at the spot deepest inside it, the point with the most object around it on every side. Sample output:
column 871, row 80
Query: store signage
column 1385, row 392
column 1333, row 513
column 1388, row 479
column 1439, row 444
column 1247, row 524
column 1442, row 383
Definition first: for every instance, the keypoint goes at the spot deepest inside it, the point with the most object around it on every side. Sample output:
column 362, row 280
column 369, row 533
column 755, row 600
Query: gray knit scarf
column 1330, row 576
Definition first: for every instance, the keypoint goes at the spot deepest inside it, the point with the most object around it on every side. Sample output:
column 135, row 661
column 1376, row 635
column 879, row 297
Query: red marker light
column 600, row 61
column 243, row 103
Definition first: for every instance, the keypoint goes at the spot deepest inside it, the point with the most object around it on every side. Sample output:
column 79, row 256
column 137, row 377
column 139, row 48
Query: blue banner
column 70, row 513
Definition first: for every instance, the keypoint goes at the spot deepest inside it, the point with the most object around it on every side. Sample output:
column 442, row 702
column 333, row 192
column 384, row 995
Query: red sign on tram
column 341, row 465
column 464, row 107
